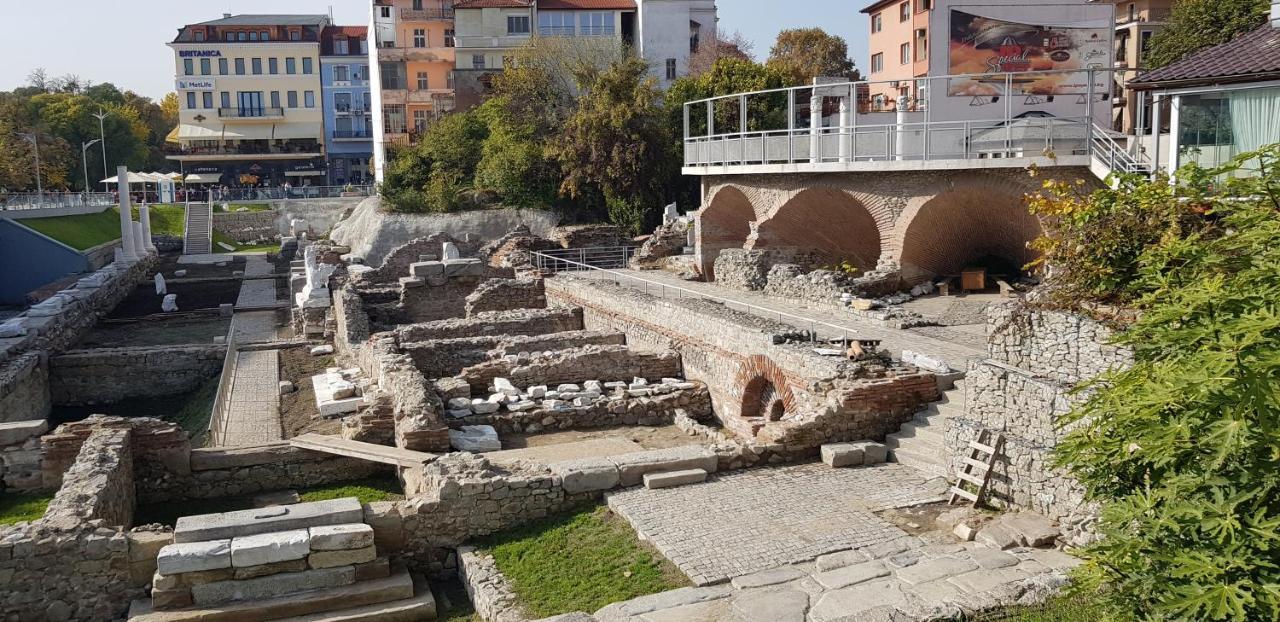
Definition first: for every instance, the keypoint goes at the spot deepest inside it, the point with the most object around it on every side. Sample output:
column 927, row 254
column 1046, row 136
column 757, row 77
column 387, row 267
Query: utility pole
column 84, row 163
column 102, row 129
column 36, row 145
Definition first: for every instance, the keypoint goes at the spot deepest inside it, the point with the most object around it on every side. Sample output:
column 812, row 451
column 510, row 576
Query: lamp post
column 102, row 129
column 84, row 163
column 36, row 145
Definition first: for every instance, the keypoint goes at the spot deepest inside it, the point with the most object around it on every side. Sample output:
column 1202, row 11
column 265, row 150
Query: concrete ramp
column 363, row 451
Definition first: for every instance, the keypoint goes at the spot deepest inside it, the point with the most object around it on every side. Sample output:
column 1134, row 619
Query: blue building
column 348, row 127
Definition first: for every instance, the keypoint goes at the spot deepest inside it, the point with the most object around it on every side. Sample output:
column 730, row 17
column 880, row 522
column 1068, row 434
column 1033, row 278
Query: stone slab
column 18, row 432
column 832, row 561
column 272, row 586
column 985, row 580
column 269, row 548
column 849, row 602
column 934, row 569
column 632, row 467
column 773, row 576
column 838, row 455
column 586, row 475
column 341, row 537
column 771, row 606
column 664, row 600
column 671, row 479
column 194, row 557
column 333, row 559
column 265, row 520
column 990, row 558
column 852, row 575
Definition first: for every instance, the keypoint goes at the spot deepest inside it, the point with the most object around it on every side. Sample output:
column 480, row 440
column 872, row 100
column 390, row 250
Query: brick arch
column 723, row 224
column 766, row 394
column 963, row 222
column 834, row 222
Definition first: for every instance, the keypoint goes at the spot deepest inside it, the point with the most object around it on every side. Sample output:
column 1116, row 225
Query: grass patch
column 580, row 561
column 366, row 490
column 195, row 413
column 248, row 207
column 1060, row 609
column 253, row 247
column 17, row 508
column 81, row 232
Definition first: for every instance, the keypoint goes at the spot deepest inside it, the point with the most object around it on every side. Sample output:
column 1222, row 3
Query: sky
column 123, row 41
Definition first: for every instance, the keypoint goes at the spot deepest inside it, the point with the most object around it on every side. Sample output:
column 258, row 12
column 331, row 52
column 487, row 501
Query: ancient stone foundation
column 108, row 375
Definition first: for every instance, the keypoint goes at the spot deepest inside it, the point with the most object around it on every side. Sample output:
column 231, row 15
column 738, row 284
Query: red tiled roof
column 492, row 4
column 587, row 5
column 1248, row 57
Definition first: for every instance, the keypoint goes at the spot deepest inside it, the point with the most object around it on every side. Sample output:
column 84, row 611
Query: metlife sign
column 197, row 84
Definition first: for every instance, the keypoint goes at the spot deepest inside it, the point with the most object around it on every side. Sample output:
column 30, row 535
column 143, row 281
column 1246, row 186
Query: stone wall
column 587, row 236
column 102, row 254
column 99, row 486
column 491, row 594
column 654, row 410
column 24, row 388
column 605, row 363
column 439, row 358
column 109, row 375
column 247, row 226
column 20, row 455
column 423, row 302
column 505, row 295
column 518, row 322
column 397, row 262
column 80, row 573
column 749, row 269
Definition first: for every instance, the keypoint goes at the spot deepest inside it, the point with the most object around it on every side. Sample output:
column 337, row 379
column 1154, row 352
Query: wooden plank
column 957, row 491
column 363, row 451
column 975, row 463
column 987, row 449
column 972, row 479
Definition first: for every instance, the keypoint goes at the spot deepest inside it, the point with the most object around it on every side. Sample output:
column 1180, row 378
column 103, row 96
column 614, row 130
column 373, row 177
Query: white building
column 671, row 31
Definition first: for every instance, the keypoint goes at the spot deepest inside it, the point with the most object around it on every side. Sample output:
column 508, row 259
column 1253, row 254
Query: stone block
column 504, row 386
column 475, row 438
column 872, row 452
column 379, row 568
column 633, row 466
column 18, row 432
column 175, row 598
column 268, row 548
column 587, row 475
column 852, row 575
column 934, row 569
column 964, row 532
column 426, row 269
column 998, row 536
column 671, row 479
column 484, row 407
column 253, row 572
column 333, row 559
column 341, row 537
column 261, row 588
column 837, row 455
column 773, row 576
column 194, row 556
column 409, row 282
column 1033, row 529
column 249, row 522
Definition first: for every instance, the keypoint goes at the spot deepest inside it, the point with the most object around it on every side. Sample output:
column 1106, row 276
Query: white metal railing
column 48, row 200
column 573, row 259
column 1114, row 156
column 219, row 419
column 663, row 290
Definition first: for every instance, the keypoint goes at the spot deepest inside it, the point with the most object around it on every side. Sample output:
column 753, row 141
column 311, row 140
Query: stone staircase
column 306, row 562
column 198, row 233
column 920, row 443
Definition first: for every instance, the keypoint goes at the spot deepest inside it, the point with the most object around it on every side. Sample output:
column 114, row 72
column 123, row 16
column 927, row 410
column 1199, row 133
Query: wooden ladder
column 972, row 464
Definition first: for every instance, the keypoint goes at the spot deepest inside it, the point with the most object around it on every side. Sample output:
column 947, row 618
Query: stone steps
column 921, row 442
column 398, row 597
column 197, row 235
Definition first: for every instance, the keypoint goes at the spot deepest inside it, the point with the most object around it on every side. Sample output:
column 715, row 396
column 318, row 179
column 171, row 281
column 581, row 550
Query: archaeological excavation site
column 524, row 421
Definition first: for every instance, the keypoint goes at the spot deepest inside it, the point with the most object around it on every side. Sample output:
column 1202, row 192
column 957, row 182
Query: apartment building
column 670, row 31
column 416, row 56
column 899, row 42
column 487, row 33
column 344, row 78
column 250, row 99
column 1136, row 22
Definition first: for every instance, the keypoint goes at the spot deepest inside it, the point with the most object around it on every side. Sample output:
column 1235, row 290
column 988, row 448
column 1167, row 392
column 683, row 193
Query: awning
column 203, row 178
column 247, row 132
column 172, row 136
column 303, row 173
column 133, row 178
column 286, row 131
column 198, row 132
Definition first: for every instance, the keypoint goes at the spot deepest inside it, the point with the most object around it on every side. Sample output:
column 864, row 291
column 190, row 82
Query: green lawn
column 80, row 232
column 366, row 490
column 386, row 489
column 580, row 561
column 17, row 508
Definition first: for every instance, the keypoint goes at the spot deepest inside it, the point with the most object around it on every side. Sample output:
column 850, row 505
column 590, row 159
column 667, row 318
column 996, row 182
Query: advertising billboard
column 987, row 45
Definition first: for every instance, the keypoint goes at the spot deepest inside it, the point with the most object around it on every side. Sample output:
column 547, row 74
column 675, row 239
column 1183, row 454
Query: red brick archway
column 967, row 225
column 723, row 224
column 827, row 220
column 766, row 395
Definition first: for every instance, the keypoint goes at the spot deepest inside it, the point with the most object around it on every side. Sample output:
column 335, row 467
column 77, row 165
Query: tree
column 1183, row 448
column 806, row 53
column 431, row 175
column 1198, row 24
column 735, row 45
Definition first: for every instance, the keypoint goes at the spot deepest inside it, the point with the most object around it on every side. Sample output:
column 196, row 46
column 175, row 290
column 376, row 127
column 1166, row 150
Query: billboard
column 987, row 45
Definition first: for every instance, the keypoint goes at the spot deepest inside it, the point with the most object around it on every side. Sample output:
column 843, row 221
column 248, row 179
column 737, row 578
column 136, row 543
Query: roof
column 1250, row 57
column 330, row 33
column 268, row 20
column 879, row 4
column 492, row 4
column 586, row 5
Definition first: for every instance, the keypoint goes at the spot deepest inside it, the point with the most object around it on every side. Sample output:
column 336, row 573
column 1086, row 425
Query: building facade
column 344, row 78
column 899, row 43
column 1136, row 22
column 415, row 53
column 250, row 99
column 671, row 31
column 488, row 31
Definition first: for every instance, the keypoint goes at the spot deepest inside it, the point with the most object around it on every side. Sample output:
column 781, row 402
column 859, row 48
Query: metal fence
column 558, row 262
column 220, row 418
column 278, row 193
column 576, row 259
column 48, row 200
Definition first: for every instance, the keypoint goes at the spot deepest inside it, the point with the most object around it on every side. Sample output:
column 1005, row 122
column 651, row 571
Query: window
column 904, row 53
column 904, row 11
column 922, row 44
column 340, row 46
column 1144, row 41
column 595, row 23
column 188, row 67
column 266, row 36
column 275, row 99
column 290, row 66
column 477, row 61
column 273, row 66
column 191, row 100
column 555, row 24
column 877, row 23
column 253, row 36
column 225, row 99
column 198, row 35
column 342, row 102
column 306, row 66
column 222, row 66
column 205, row 67
column 517, row 24
column 1122, row 46
column 231, row 36
column 877, row 63
column 393, row 119
column 1133, row 11
column 448, row 37
column 423, row 81
column 207, row 99
column 242, row 36
column 417, row 5
column 292, row 99
column 239, row 66
column 309, row 99
column 364, row 46
column 671, row 69
column 385, row 12
column 256, row 66
column 448, row 82
column 419, row 38
column 419, row 121
column 392, row 75
column 341, row 73
column 295, row 35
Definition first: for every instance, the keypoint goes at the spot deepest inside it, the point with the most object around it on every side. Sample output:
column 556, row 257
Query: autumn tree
column 733, row 45
column 1198, row 24
column 806, row 53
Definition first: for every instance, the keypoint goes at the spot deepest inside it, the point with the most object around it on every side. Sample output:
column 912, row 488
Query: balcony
column 427, row 96
column 354, row 111
column 434, row 53
column 509, row 41
column 345, row 135
column 425, row 15
column 1151, row 16
column 243, row 113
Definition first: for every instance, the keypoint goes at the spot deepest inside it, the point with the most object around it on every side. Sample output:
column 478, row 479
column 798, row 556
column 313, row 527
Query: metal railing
column 245, row 112
column 665, row 291
column 1114, row 156
column 575, row 259
column 341, row 134
column 218, row 195
column 52, row 200
column 219, row 419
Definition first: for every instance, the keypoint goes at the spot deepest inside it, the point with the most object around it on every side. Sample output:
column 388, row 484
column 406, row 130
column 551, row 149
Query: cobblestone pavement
column 253, row 415
column 955, row 345
column 746, row 521
column 257, row 265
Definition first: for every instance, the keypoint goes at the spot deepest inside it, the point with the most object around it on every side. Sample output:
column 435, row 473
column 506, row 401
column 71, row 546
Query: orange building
column 415, row 40
column 899, row 43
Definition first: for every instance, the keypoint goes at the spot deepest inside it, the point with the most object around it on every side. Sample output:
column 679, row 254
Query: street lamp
column 84, row 163
column 102, row 129
column 36, row 145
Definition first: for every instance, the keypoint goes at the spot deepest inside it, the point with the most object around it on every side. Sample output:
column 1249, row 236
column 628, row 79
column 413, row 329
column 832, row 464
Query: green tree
column 431, row 175
column 806, row 53
column 1183, row 448
column 513, row 162
column 1198, row 24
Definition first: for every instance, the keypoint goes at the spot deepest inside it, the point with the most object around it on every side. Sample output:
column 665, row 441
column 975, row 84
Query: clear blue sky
column 123, row 41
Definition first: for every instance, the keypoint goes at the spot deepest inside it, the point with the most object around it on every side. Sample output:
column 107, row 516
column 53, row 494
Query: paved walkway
column 957, row 350
column 746, row 521
column 257, row 293
column 253, row 414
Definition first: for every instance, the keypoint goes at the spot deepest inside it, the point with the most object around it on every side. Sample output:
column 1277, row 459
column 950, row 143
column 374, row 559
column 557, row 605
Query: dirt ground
column 191, row 296
column 159, row 331
column 298, row 409
column 169, row 263
column 649, row 437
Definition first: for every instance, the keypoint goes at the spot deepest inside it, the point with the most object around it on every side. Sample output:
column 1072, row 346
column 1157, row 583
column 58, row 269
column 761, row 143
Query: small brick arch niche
column 765, row 393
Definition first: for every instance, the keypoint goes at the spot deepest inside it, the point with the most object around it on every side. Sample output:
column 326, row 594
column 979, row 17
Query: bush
column 1183, row 448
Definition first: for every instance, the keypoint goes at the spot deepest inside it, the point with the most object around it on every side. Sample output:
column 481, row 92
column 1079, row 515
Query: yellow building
column 249, row 93
column 415, row 40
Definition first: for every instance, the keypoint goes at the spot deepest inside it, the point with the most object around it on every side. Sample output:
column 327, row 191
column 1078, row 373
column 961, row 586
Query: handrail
column 663, row 288
column 560, row 260
column 54, row 200
column 1115, row 156
column 219, row 419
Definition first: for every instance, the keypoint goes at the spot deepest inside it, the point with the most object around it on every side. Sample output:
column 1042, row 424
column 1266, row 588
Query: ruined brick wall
column 749, row 269
column 587, row 236
column 505, row 295
column 428, row 302
column 440, row 358
column 79, row 573
column 247, row 226
column 518, row 322
column 24, row 388
column 605, row 363
column 99, row 486
column 109, row 375
column 652, row 410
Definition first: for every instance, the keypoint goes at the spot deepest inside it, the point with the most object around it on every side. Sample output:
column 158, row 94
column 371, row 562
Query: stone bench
column 854, row 454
